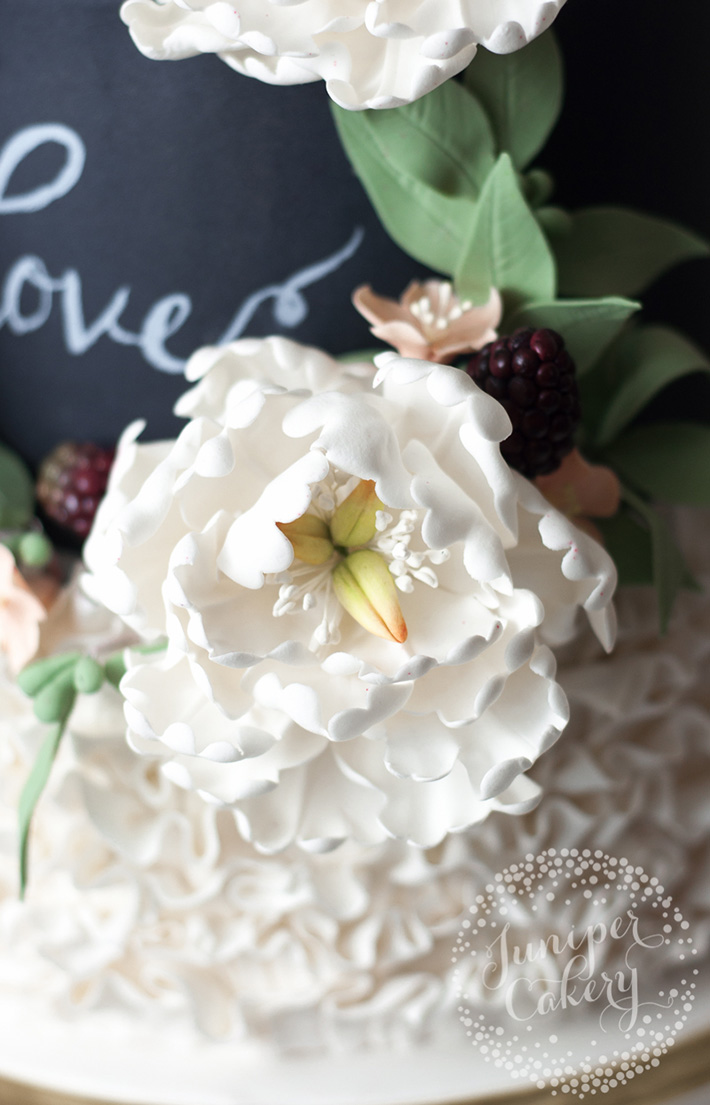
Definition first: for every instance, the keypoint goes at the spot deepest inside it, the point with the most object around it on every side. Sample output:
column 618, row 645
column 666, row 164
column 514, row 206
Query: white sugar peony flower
column 357, row 592
column 371, row 53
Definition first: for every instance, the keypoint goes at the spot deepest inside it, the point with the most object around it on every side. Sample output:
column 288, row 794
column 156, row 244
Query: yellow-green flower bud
column 310, row 538
column 353, row 523
column 365, row 587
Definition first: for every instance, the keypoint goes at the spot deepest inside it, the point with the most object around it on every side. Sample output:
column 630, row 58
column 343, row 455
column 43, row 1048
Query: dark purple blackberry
column 71, row 483
column 533, row 376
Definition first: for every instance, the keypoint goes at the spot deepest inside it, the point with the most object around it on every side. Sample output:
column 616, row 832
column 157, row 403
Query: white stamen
column 407, row 564
column 426, row 575
column 438, row 314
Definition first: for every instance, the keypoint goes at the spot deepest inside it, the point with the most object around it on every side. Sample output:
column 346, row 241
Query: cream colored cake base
column 105, row 1058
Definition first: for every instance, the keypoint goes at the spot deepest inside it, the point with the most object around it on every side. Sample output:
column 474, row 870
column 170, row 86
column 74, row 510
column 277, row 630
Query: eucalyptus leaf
column 670, row 571
column 32, row 791
column 587, row 325
column 522, row 94
column 425, row 223
column 16, row 491
column 505, row 248
column 605, row 250
column 669, row 461
column 643, row 362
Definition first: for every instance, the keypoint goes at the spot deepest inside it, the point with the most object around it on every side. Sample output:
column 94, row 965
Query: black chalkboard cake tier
column 148, row 209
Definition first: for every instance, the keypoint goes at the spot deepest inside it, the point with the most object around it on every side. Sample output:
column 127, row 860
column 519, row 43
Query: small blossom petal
column 430, row 322
column 21, row 614
column 582, row 490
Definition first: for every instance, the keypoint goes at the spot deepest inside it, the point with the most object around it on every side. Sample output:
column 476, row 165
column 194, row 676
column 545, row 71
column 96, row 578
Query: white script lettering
column 29, row 277
column 26, row 142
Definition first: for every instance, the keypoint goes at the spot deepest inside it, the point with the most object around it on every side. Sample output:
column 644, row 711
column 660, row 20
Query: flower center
column 352, row 555
column 435, row 315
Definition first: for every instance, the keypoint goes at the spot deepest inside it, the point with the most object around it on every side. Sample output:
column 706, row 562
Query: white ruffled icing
column 145, row 898
column 370, row 53
column 312, row 729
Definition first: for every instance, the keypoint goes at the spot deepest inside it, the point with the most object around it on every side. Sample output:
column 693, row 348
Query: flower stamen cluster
column 339, row 564
column 407, row 564
column 436, row 313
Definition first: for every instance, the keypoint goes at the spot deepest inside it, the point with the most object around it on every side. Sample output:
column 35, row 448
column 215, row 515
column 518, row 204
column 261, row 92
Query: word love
column 30, row 292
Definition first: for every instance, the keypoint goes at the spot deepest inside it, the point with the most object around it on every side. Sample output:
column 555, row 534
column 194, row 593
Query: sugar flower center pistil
column 355, row 557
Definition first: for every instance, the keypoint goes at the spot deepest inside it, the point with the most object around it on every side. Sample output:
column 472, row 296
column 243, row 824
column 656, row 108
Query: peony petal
column 384, row 53
column 270, row 700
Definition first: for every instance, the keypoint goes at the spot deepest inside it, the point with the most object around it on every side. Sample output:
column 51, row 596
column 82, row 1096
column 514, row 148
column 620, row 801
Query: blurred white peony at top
column 370, row 53
column 271, row 698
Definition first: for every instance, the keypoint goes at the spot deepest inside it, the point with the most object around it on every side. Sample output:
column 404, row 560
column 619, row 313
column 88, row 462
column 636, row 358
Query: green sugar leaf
column 668, row 461
column 639, row 365
column 505, row 247
column 587, row 325
column 37, row 675
column 16, row 491
column 553, row 220
column 538, row 186
column 32, row 792
column 115, row 668
column 603, row 250
column 670, row 571
column 522, row 94
column 34, row 550
column 55, row 701
column 88, row 675
column 628, row 541
column 443, row 139
column 426, row 223
column 644, row 361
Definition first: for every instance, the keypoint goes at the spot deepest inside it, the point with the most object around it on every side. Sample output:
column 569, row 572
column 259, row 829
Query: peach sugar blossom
column 20, row 614
column 430, row 322
column 582, row 491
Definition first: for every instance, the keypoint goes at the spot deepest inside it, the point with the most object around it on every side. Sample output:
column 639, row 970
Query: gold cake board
column 685, row 1068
